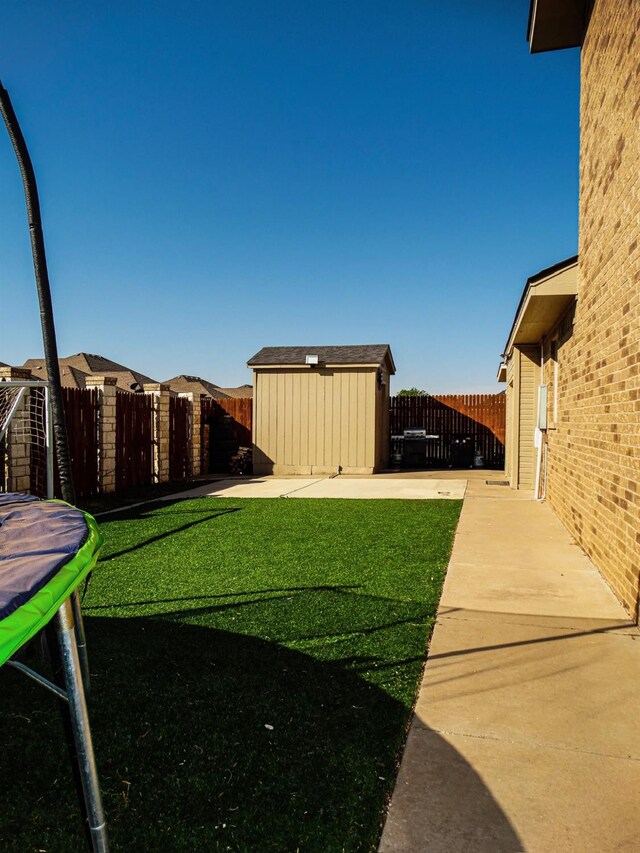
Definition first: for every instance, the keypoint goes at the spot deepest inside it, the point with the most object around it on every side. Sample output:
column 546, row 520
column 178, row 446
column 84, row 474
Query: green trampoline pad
column 31, row 615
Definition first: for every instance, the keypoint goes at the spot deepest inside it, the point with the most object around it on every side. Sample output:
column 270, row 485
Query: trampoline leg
column 80, row 728
column 81, row 641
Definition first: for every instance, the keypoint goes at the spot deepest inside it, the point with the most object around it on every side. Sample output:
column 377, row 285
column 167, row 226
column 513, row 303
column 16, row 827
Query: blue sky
column 220, row 176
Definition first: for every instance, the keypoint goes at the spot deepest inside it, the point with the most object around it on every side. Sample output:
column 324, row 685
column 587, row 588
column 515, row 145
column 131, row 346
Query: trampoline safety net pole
column 44, row 292
column 50, row 346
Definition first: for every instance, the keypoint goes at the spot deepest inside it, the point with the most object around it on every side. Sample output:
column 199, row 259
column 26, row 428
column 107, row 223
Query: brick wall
column 594, row 450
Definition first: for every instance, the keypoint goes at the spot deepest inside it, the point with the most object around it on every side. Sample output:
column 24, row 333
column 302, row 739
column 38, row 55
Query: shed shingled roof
column 357, row 354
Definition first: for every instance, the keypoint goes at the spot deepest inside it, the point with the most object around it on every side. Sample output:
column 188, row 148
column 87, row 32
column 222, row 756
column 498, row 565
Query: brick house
column 587, row 358
column 203, row 388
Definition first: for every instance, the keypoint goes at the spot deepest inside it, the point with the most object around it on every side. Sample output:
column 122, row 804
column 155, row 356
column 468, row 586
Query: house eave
column 546, row 297
column 557, row 24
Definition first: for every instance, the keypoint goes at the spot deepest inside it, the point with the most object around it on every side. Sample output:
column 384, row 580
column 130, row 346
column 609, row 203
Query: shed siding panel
column 290, row 401
column 320, row 448
column 345, row 420
column 316, row 440
column 334, row 393
column 327, row 402
column 362, row 423
column 266, row 382
column 280, row 450
column 307, row 390
column 352, row 428
column 294, row 418
column 369, row 408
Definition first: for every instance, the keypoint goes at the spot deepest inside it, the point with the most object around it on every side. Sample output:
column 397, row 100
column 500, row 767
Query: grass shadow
column 202, row 519
column 207, row 740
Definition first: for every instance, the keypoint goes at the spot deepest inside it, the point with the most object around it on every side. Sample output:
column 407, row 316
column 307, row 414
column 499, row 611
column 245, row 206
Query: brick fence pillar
column 18, row 445
column 194, row 429
column 107, row 391
column 161, row 394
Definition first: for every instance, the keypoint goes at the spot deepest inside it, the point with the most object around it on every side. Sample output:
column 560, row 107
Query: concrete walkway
column 526, row 734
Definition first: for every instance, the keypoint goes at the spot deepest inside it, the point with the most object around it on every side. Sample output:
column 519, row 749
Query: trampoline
column 47, row 548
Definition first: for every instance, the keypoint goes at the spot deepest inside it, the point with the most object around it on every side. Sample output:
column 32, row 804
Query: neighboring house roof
column 75, row 368
column 240, row 391
column 544, row 298
column 196, row 385
column 557, row 24
column 70, row 377
column 99, row 365
column 375, row 354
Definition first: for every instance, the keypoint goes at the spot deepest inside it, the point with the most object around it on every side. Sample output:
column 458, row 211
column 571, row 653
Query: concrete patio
column 354, row 487
column 525, row 734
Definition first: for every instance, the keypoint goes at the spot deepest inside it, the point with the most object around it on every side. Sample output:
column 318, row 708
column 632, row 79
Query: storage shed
column 321, row 409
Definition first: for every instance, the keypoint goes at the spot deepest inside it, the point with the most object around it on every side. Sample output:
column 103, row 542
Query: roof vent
column 311, row 359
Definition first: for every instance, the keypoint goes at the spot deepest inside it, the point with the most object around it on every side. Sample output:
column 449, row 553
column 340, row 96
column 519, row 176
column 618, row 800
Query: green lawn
column 255, row 663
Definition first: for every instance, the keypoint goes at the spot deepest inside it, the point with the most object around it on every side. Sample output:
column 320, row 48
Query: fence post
column 205, row 406
column 18, row 445
column 160, row 393
column 194, row 431
column 106, row 387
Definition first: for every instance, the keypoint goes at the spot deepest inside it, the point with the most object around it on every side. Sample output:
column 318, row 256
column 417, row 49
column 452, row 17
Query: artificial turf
column 254, row 667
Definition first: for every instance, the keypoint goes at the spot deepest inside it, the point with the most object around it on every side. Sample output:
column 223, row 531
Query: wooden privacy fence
column 241, row 411
column 134, row 440
column 179, row 438
column 117, row 439
column 81, row 408
column 462, row 425
column 220, row 437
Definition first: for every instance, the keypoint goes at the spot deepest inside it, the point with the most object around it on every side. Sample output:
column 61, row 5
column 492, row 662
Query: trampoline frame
column 70, row 691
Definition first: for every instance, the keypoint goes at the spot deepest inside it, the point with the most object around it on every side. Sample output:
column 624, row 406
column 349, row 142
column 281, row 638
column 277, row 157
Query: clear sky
column 220, row 176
